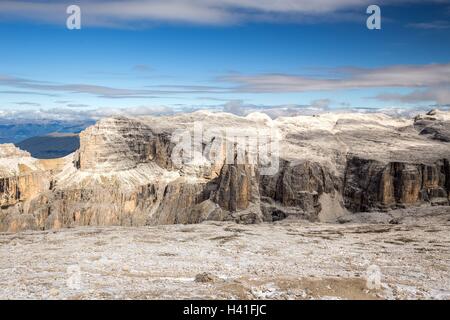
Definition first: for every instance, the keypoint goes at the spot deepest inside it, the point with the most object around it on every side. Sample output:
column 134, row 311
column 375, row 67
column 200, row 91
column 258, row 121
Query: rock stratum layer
column 158, row 170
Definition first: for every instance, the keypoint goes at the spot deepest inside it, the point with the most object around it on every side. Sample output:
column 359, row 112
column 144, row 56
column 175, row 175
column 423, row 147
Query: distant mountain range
column 54, row 145
column 17, row 131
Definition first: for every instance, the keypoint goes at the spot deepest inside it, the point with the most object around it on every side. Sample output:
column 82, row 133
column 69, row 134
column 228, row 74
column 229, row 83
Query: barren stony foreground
column 289, row 259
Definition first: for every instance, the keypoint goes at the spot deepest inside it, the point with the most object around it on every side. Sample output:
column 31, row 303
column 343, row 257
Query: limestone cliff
column 158, row 170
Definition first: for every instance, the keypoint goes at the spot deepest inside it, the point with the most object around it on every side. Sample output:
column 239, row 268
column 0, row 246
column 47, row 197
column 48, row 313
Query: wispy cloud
column 17, row 92
column 148, row 92
column 142, row 68
column 433, row 78
column 431, row 25
column 430, row 82
column 97, row 90
column 347, row 78
column 77, row 105
column 25, row 103
column 115, row 13
column 439, row 95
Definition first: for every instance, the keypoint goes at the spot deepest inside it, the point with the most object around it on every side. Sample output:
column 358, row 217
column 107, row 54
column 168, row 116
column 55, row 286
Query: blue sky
column 197, row 55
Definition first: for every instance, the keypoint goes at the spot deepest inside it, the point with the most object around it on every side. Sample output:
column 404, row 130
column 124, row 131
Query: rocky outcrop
column 435, row 124
column 297, row 188
column 22, row 187
column 372, row 185
column 21, row 177
column 161, row 170
column 131, row 141
column 236, row 184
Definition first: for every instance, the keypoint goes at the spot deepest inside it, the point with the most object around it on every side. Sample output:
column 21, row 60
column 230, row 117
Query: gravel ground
column 286, row 260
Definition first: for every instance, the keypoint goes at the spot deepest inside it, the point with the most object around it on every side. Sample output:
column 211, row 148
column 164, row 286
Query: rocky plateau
column 150, row 171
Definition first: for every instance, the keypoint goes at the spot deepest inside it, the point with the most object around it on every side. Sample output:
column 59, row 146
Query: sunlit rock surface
column 136, row 171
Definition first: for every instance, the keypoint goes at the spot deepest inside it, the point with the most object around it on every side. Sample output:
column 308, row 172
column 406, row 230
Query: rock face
column 20, row 177
column 214, row 166
column 298, row 187
column 370, row 184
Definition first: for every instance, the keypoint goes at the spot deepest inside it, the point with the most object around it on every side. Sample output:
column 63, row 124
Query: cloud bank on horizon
column 236, row 55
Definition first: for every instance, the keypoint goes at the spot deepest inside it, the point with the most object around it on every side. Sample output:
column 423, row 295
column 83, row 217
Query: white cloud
column 238, row 107
column 321, row 103
column 70, row 115
column 80, row 114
